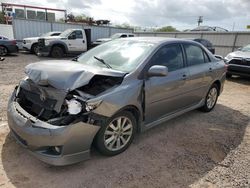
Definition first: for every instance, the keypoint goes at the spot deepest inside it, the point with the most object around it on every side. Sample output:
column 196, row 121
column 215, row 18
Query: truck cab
column 71, row 41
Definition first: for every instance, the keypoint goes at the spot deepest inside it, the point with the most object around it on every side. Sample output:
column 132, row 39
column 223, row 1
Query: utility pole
column 200, row 20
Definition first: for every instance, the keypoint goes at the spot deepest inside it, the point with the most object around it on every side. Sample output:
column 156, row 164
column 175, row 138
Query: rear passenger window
column 170, row 56
column 206, row 58
column 195, row 54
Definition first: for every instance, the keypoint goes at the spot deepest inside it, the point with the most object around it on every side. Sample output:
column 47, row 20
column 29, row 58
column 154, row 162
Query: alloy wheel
column 118, row 133
column 212, row 97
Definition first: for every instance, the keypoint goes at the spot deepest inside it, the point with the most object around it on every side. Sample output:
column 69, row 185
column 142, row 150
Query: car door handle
column 83, row 41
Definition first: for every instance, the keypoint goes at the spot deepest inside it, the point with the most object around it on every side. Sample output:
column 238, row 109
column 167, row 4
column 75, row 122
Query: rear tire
column 3, row 51
column 211, row 98
column 57, row 52
column 117, row 134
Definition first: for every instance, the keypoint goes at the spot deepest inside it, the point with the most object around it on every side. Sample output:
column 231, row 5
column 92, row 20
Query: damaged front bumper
column 55, row 145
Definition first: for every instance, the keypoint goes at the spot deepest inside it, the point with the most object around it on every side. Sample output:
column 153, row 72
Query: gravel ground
column 194, row 150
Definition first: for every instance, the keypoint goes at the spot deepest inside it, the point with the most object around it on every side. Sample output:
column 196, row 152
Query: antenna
column 200, row 20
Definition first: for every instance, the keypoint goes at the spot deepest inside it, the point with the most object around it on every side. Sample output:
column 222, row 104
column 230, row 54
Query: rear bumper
column 12, row 48
column 40, row 137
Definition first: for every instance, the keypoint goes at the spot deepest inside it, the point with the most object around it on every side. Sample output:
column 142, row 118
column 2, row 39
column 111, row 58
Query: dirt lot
column 196, row 149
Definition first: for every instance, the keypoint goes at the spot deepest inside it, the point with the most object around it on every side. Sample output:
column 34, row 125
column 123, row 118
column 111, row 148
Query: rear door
column 166, row 95
column 201, row 72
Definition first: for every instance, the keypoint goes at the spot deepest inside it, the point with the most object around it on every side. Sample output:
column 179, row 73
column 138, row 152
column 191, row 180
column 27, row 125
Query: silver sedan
column 108, row 94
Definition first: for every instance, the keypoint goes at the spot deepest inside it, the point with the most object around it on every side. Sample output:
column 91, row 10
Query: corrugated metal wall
column 7, row 31
column 32, row 28
column 224, row 42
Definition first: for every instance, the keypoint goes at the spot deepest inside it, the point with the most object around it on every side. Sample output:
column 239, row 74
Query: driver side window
column 170, row 56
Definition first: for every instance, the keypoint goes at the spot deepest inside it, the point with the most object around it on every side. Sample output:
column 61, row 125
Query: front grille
column 41, row 42
column 245, row 62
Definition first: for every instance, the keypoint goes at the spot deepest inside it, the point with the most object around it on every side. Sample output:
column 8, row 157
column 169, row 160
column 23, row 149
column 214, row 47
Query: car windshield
column 115, row 36
column 66, row 33
column 121, row 55
column 246, row 48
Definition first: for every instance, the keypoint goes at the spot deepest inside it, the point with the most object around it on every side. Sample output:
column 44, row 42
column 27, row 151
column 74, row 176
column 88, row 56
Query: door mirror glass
column 72, row 36
column 158, row 70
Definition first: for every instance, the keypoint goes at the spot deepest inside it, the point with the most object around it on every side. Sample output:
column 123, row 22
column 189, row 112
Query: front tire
column 57, row 52
column 117, row 134
column 211, row 98
column 34, row 49
column 3, row 51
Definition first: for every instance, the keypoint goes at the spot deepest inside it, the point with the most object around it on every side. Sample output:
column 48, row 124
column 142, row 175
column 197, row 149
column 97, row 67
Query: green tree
column 167, row 29
column 2, row 18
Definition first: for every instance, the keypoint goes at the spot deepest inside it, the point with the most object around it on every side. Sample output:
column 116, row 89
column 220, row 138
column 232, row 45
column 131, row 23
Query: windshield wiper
column 103, row 62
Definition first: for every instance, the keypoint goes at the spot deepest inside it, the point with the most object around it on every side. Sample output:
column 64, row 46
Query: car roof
column 158, row 40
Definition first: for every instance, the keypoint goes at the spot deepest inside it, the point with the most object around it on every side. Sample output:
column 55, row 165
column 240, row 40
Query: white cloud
column 178, row 13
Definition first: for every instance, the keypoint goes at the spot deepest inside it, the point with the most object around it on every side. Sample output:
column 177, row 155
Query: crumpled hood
column 65, row 74
column 240, row 54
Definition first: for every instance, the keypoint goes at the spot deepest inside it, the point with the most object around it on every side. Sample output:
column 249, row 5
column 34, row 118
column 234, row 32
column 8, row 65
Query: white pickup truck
column 113, row 37
column 71, row 41
column 31, row 43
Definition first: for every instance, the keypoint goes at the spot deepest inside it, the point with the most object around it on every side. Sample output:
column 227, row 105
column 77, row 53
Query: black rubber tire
column 228, row 75
column 3, row 51
column 57, row 52
column 34, row 49
column 205, row 108
column 99, row 140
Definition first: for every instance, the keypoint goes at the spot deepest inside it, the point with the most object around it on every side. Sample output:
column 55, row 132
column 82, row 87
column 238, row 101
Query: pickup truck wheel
column 34, row 48
column 3, row 51
column 57, row 52
column 211, row 99
column 117, row 134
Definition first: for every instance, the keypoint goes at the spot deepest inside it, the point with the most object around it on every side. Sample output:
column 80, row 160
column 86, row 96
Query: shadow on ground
column 240, row 80
column 174, row 154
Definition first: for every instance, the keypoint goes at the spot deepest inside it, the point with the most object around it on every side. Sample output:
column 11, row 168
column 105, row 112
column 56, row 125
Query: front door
column 78, row 43
column 166, row 95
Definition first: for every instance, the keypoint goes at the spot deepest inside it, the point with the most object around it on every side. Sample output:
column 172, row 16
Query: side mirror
column 2, row 59
column 72, row 37
column 239, row 49
column 158, row 70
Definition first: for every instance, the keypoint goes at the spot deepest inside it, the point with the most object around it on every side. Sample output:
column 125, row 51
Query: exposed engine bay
column 60, row 107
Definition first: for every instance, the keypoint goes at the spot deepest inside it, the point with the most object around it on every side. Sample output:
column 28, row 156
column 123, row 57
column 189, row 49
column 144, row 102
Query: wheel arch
column 59, row 45
column 218, row 83
column 5, row 47
column 135, row 112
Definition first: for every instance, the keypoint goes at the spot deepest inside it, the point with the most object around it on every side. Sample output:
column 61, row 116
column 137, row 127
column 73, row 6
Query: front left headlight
column 91, row 105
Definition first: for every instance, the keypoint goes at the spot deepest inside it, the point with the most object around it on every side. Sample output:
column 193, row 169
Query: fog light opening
column 56, row 149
